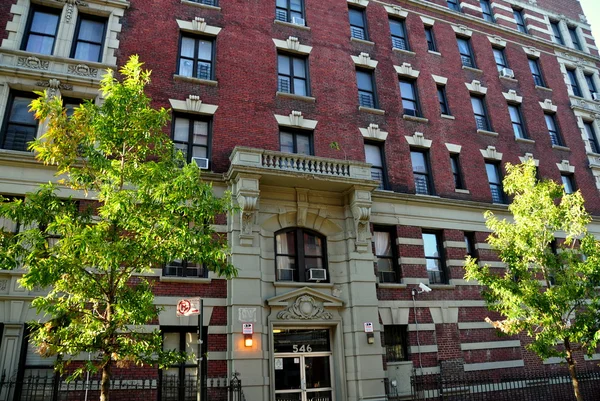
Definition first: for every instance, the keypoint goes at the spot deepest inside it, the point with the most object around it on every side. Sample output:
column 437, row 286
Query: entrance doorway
column 303, row 365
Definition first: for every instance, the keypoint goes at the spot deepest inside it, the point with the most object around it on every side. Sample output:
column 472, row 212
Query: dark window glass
column 574, row 38
column 213, row 3
column 290, row 11
column 297, row 251
column 486, row 9
column 421, row 172
column 553, row 131
column 518, row 15
column 395, row 339
column 89, row 38
column 292, row 75
column 456, row 171
column 295, row 142
column 589, row 79
column 434, row 257
column 192, row 137
column 443, row 100
column 470, row 244
column 574, row 83
column 466, row 53
column 430, row 39
column 399, row 37
column 20, row 125
column 185, row 268
column 374, row 155
column 592, row 137
column 568, row 183
column 366, row 88
column 558, row 38
column 534, row 67
column 517, row 121
column 358, row 23
column 480, row 112
column 384, row 240
column 495, row 180
column 410, row 98
column 453, row 5
column 196, row 57
column 500, row 58
column 42, row 27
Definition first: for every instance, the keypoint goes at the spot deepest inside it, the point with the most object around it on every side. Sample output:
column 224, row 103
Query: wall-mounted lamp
column 370, row 338
column 248, row 340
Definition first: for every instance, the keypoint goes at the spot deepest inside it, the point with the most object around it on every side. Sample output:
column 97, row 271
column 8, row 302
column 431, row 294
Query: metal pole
column 199, row 356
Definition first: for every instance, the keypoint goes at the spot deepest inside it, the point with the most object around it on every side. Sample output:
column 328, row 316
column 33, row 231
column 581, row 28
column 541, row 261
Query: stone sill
column 296, row 97
column 447, row 117
column 402, row 51
column 391, row 285
column 432, row 52
column 365, row 42
column 558, row 147
column 462, row 191
column 289, row 24
column 188, row 280
column 428, row 196
column 415, row 119
column 464, row 67
column 509, row 79
column 524, row 140
column 200, row 5
column 295, row 284
column 199, row 81
column 371, row 110
column 488, row 133
column 442, row 286
column 543, row 88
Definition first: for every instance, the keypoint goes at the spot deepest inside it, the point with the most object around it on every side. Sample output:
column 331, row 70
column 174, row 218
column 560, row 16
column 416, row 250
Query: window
column 192, row 136
column 443, row 100
column 185, row 268
column 70, row 104
column 410, row 98
column 297, row 252
column 553, row 131
column 500, row 58
column 384, row 239
column 466, row 53
column 480, row 112
column 557, row 35
column 434, row 257
column 518, row 15
column 486, row 9
column 592, row 136
column 366, row 88
column 574, row 82
column 20, row 125
column 178, row 382
column 568, row 183
column 196, row 55
column 295, row 141
column 589, row 79
column 358, row 23
column 495, row 180
column 375, row 156
column 399, row 37
column 42, row 26
column 7, row 225
column 456, row 171
column 453, row 5
column 213, row 3
column 89, row 38
column 395, row 340
column 290, row 11
column 470, row 244
column 536, row 72
column 430, row 39
column 292, row 75
column 516, row 118
column 574, row 37
column 421, row 172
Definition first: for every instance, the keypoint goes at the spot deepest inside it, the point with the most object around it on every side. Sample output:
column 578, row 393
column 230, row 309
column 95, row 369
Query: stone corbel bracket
column 246, row 193
column 360, row 205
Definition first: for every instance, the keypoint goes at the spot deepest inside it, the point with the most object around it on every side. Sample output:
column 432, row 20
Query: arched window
column 300, row 255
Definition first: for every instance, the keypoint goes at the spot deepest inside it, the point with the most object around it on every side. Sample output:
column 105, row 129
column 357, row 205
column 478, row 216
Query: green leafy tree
column 151, row 208
column 548, row 293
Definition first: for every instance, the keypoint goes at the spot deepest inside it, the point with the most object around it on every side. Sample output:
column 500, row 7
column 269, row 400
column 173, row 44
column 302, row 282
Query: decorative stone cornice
column 198, row 25
column 475, row 87
column 452, row 148
column 527, row 157
column 396, row 11
column 565, row 167
column 547, row 105
column 439, row 80
column 374, row 132
column 193, row 105
column 292, row 44
column 497, row 41
column 406, row 70
column 418, row 140
column 512, row 97
column 462, row 30
column 490, row 153
column 364, row 60
column 531, row 51
column 296, row 120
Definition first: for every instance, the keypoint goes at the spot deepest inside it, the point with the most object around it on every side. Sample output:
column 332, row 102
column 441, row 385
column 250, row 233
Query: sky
column 591, row 9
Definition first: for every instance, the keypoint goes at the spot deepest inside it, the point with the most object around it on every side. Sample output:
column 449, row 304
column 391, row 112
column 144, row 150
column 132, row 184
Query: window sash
column 574, row 83
column 517, row 121
column 500, row 59
column 285, row 10
column 358, row 25
column 384, row 240
column 295, row 80
column 398, row 32
column 568, row 183
column 410, row 99
column 434, row 257
column 301, row 259
column 589, row 79
column 518, row 15
column 366, row 89
column 495, row 182
column 574, row 38
column 553, row 131
column 421, row 172
column 188, row 146
column 487, row 11
column 395, row 340
column 456, row 171
column 18, row 132
column 592, row 136
column 534, row 67
column 202, row 67
column 46, row 34
column 558, row 38
column 185, row 268
column 443, row 100
column 301, row 142
column 480, row 112
column 79, row 45
column 430, row 39
column 453, row 5
column 374, row 155
column 466, row 52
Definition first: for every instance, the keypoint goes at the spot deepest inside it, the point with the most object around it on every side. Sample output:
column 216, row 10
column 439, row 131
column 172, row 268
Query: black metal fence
column 486, row 387
column 55, row 388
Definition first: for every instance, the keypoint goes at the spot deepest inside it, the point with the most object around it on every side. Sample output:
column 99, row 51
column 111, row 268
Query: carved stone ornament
column 293, row 43
column 3, row 285
column 53, row 86
column 199, row 24
column 83, row 70
column 361, row 211
column 248, row 212
column 304, row 308
column 33, row 62
column 296, row 118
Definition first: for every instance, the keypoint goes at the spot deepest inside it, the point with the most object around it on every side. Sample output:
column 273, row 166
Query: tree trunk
column 572, row 370
column 105, row 382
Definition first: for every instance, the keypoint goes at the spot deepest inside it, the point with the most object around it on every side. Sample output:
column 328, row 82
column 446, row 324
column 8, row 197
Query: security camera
column 424, row 288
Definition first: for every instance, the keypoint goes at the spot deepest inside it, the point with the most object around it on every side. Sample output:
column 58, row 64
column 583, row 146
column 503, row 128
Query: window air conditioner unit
column 317, row 275
column 507, row 73
column 596, row 96
column 298, row 21
column 201, row 162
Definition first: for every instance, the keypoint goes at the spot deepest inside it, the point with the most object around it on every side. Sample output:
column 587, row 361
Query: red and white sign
column 188, row 307
column 368, row 327
column 247, row 328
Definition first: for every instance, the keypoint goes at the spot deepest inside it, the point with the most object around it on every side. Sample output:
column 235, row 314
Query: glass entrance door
column 302, row 364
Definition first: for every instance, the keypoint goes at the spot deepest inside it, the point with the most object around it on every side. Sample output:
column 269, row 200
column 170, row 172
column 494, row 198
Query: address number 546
column 301, row 348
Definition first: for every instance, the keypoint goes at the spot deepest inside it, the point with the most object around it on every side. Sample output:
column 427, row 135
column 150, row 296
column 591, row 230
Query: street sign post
column 189, row 307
